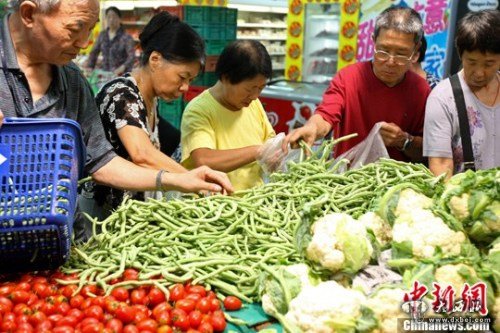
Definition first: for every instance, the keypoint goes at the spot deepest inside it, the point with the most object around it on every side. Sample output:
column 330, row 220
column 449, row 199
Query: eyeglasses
column 398, row 59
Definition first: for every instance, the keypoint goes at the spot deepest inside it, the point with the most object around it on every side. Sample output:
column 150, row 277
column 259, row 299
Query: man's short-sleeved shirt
column 442, row 130
column 208, row 124
column 68, row 96
column 356, row 100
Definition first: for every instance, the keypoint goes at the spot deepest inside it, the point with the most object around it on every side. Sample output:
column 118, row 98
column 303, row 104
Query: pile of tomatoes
column 37, row 303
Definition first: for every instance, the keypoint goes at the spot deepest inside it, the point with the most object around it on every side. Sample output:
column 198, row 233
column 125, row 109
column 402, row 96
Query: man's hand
column 308, row 133
column 392, row 135
column 202, row 179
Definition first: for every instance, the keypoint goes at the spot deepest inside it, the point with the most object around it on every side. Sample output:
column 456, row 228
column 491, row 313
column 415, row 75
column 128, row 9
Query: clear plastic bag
column 367, row 151
column 271, row 155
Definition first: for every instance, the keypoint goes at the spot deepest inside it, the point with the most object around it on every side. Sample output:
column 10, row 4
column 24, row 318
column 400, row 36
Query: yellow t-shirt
column 208, row 124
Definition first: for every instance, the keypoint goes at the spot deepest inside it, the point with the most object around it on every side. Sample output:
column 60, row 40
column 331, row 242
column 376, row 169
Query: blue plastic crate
column 41, row 161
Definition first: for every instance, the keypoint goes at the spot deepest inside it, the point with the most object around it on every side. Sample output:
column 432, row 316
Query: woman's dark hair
column 173, row 39
column 242, row 60
column 422, row 49
column 479, row 31
column 113, row 9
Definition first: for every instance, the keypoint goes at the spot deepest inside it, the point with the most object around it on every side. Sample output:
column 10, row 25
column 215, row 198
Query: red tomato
column 25, row 327
column 187, row 305
column 77, row 313
column 39, row 279
column 214, row 304
column 130, row 329
column 196, row 289
column 147, row 325
column 206, row 328
column 94, row 311
column 67, row 321
column 203, row 305
column 21, row 308
column 195, row 318
column 44, row 326
column 63, row 308
column 211, row 295
column 232, row 303
column 24, row 286
column 162, row 307
column 19, row 296
column 87, row 302
column 156, row 296
column 218, row 323
column 165, row 329
column 93, row 328
column 111, row 306
column 9, row 317
column 69, row 290
column 120, row 293
column 99, row 300
column 140, row 316
column 115, row 325
column 5, row 305
column 6, row 290
column 191, row 330
column 89, row 290
column 37, row 317
column 63, row 329
column 48, row 308
column 55, row 318
column 180, row 319
column 130, row 274
column 8, row 326
column 125, row 313
column 139, row 296
column 163, row 318
column 89, row 321
column 177, row 292
column 194, row 297
column 76, row 301
column 41, row 289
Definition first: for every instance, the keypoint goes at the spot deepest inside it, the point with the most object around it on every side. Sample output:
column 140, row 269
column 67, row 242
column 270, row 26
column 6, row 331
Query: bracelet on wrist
column 159, row 185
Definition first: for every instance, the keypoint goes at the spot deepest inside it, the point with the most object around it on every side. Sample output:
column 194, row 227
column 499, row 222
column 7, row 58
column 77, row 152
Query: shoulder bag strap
column 463, row 120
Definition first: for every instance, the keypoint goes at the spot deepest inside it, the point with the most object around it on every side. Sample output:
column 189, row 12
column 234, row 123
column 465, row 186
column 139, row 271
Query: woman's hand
column 1, row 118
column 202, row 179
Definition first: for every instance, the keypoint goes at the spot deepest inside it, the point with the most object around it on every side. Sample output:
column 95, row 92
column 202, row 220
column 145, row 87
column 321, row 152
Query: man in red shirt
column 383, row 90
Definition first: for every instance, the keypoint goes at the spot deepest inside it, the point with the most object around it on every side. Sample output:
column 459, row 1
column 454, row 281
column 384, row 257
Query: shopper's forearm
column 225, row 160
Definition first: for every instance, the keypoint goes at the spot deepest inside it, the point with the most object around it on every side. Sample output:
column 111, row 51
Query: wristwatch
column 408, row 141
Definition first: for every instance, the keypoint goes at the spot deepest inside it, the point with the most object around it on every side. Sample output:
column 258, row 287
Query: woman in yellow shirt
column 225, row 126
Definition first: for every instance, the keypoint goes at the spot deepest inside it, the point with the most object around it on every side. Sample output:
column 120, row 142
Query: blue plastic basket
column 41, row 161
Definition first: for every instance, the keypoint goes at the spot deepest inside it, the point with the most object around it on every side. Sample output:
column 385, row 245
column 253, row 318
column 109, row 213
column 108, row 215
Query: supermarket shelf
column 263, row 25
column 275, row 54
column 260, row 38
column 131, row 4
column 279, row 68
column 262, row 9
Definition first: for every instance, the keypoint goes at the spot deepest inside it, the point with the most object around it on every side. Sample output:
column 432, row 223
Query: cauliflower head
column 386, row 305
column 409, row 200
column 339, row 243
column 326, row 308
column 427, row 232
column 453, row 275
column 459, row 206
column 381, row 229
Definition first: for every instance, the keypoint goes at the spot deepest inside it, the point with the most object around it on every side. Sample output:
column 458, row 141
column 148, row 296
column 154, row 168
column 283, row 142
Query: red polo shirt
column 356, row 100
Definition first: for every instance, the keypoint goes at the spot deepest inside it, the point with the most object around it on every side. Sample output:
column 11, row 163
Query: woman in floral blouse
column 173, row 54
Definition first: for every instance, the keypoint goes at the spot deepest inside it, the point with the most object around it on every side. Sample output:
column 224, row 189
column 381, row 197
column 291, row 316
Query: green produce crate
column 206, row 79
column 211, row 32
column 172, row 111
column 215, row 47
column 196, row 14
column 231, row 16
column 230, row 32
column 216, row 15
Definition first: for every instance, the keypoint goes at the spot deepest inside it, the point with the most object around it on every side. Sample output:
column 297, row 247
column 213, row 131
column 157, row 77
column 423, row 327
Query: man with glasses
column 381, row 90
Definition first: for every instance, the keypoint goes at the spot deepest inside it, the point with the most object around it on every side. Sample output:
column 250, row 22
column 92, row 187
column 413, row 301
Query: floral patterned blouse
column 120, row 103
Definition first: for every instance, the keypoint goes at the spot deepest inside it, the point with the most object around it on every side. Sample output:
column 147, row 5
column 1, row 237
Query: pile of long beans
column 222, row 241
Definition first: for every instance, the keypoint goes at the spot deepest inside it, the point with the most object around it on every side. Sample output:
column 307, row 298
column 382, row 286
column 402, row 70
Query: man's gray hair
column 44, row 5
column 402, row 19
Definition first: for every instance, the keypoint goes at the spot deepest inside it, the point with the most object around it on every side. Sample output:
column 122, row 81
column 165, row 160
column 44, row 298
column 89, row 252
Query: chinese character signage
column 436, row 19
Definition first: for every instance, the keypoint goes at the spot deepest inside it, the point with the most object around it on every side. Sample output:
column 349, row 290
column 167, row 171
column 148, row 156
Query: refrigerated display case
column 290, row 104
column 322, row 38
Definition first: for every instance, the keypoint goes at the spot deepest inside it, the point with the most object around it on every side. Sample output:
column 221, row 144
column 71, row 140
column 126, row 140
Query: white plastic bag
column 367, row 151
column 271, row 155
